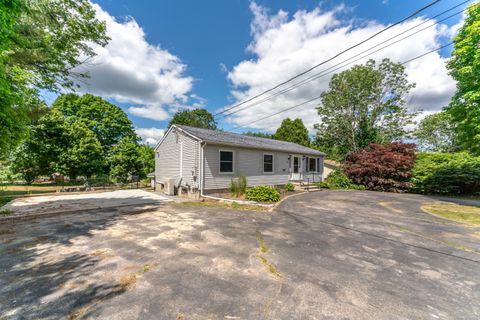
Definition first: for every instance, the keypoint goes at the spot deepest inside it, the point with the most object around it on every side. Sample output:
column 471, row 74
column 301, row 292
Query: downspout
column 202, row 165
column 202, row 174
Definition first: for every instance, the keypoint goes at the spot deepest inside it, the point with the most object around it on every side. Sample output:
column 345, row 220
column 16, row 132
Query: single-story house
column 205, row 161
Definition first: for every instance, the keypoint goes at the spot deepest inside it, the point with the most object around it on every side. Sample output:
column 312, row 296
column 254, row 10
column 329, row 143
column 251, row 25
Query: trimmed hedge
column 446, row 173
column 263, row 194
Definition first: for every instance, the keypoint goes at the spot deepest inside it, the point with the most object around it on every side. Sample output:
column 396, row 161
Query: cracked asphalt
column 321, row 255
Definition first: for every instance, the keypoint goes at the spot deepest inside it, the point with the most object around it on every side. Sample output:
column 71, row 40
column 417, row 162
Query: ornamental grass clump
column 238, row 186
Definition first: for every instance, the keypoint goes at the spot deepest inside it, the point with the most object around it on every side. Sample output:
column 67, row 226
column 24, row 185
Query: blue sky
column 170, row 55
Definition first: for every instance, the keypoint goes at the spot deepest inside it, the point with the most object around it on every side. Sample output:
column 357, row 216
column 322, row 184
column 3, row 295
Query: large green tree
column 126, row 160
column 464, row 66
column 57, row 145
column 147, row 157
column 435, row 133
column 109, row 122
column 293, row 131
column 363, row 105
column 83, row 154
column 42, row 42
column 199, row 118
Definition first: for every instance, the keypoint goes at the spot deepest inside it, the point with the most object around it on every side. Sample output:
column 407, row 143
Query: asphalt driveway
column 324, row 255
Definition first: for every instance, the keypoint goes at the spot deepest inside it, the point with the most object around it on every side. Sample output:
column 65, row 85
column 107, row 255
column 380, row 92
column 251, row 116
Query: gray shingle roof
column 240, row 140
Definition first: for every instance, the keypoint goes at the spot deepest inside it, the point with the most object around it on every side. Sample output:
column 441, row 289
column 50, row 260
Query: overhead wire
column 342, row 64
column 415, row 13
column 318, row 97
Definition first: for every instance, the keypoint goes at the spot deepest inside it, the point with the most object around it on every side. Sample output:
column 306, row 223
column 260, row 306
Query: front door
column 295, row 168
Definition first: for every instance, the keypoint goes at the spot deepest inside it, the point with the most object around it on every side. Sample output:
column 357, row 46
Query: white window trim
column 233, row 161
column 273, row 163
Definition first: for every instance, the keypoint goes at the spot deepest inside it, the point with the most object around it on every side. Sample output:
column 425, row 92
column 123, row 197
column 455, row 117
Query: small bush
column 338, row 180
column 446, row 173
column 4, row 200
column 289, row 186
column 5, row 212
column 382, row 167
column 238, row 186
column 263, row 194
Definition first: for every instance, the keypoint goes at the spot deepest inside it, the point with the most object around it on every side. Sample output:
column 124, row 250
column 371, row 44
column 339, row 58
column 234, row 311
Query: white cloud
column 131, row 70
column 284, row 46
column 150, row 136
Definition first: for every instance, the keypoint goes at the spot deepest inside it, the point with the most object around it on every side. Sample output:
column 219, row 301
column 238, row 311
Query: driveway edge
column 20, row 218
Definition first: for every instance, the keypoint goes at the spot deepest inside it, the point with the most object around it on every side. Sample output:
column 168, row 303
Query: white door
column 295, row 168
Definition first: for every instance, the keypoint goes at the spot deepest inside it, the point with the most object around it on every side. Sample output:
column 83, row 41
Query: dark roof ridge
column 236, row 139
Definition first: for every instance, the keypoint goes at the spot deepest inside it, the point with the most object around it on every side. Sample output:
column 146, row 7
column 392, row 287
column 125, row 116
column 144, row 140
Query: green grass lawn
column 465, row 214
column 18, row 190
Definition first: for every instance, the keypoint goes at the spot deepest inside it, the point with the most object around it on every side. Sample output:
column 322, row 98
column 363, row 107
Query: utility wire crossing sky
column 244, row 61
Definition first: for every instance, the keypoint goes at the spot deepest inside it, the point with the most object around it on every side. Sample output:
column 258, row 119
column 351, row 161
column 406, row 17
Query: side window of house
column 226, row 161
column 268, row 163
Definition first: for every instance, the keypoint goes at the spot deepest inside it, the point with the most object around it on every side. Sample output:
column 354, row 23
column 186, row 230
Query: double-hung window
column 268, row 163
column 226, row 161
column 312, row 164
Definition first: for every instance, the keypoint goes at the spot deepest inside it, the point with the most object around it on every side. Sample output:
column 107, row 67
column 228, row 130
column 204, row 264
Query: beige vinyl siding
column 247, row 162
column 168, row 156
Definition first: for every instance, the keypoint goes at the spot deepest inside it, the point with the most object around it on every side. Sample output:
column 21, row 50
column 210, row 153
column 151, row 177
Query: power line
column 331, row 58
column 316, row 98
column 290, row 108
column 324, row 73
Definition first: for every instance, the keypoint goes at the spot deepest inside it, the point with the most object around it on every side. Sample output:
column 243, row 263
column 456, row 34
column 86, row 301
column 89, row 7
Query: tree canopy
column 109, row 122
column 435, row 133
column 42, row 43
column 126, row 160
column 363, row 105
column 293, row 131
column 464, row 66
column 199, row 118
column 82, row 136
column 259, row 134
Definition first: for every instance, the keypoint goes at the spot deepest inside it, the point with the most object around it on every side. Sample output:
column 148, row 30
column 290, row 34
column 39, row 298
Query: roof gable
column 173, row 128
column 240, row 140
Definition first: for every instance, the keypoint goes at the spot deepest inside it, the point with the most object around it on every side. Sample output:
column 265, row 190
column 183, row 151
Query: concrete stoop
column 305, row 187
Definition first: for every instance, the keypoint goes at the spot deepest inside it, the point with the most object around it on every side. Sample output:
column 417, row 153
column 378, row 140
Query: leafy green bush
column 338, row 180
column 238, row 186
column 289, row 186
column 3, row 201
column 263, row 194
column 446, row 173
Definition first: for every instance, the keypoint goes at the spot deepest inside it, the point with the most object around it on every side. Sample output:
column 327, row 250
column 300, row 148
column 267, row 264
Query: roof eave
column 314, row 152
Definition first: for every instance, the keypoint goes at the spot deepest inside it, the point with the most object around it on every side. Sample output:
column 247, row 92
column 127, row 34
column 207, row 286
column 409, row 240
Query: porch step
column 311, row 189
column 304, row 187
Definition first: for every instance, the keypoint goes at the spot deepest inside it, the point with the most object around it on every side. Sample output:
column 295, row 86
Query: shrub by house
column 338, row 180
column 263, row 194
column 446, row 173
column 382, row 167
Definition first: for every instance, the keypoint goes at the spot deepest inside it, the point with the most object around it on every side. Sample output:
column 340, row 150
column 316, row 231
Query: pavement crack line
column 393, row 240
column 271, row 268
